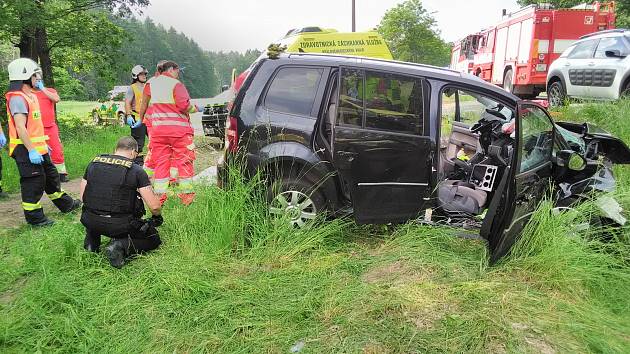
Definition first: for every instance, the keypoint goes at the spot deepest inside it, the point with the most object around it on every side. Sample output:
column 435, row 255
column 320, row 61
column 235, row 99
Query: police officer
column 112, row 190
column 133, row 102
column 28, row 145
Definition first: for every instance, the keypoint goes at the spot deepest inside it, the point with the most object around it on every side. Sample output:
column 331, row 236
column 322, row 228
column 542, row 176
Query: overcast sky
column 242, row 24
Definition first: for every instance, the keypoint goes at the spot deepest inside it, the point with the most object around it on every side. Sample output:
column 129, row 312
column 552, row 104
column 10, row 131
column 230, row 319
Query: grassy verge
column 229, row 279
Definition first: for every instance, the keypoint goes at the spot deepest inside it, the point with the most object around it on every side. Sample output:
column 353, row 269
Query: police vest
column 137, row 89
column 107, row 191
column 34, row 125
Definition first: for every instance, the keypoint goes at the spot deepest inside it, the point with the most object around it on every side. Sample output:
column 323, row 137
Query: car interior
column 475, row 147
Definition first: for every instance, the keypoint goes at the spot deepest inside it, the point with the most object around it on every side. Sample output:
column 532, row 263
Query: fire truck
column 516, row 52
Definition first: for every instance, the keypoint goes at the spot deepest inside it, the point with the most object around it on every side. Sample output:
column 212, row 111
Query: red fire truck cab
column 516, row 52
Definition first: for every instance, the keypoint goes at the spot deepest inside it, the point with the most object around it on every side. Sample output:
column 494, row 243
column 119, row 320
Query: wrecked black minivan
column 392, row 141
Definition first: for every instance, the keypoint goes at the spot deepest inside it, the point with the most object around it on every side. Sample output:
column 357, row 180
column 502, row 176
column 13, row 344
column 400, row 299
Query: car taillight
column 231, row 135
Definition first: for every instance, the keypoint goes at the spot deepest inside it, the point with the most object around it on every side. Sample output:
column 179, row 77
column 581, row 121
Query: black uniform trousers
column 139, row 134
column 34, row 181
column 135, row 235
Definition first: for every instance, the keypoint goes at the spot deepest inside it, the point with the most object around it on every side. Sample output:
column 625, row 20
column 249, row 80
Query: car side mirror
column 571, row 160
column 615, row 53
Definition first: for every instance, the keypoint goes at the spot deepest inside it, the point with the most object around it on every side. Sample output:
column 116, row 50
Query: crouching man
column 112, row 191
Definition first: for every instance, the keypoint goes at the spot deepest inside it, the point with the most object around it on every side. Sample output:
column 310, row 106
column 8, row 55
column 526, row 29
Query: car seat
column 461, row 197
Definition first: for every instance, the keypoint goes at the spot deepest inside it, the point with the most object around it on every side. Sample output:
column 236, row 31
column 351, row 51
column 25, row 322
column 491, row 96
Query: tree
column 37, row 27
column 623, row 8
column 411, row 34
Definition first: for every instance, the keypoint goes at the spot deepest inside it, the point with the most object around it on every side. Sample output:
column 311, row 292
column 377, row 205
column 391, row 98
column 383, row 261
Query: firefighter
column 28, row 147
column 133, row 102
column 168, row 105
column 48, row 98
column 113, row 190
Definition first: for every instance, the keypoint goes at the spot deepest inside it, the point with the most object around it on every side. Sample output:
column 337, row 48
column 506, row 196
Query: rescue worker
column 133, row 102
column 149, row 166
column 48, row 98
column 113, row 190
column 28, row 147
column 168, row 103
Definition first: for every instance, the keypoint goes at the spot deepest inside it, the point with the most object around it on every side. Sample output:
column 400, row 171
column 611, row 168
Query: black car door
column 525, row 182
column 379, row 145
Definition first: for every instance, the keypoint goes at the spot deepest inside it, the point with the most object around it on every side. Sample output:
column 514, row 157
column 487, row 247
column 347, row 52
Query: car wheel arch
column 295, row 160
column 625, row 84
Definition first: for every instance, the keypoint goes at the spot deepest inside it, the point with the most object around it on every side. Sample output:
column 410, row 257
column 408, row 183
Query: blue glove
column 35, row 157
column 136, row 124
column 199, row 108
column 3, row 140
column 130, row 121
column 39, row 85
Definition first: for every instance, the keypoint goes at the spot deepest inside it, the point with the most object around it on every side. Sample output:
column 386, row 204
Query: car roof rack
column 614, row 30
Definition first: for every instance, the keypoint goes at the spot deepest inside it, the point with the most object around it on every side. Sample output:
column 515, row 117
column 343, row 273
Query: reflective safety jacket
column 166, row 114
column 137, row 89
column 34, row 126
column 107, row 191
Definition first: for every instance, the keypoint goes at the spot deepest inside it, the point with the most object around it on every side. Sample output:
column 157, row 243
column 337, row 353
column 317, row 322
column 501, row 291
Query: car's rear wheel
column 556, row 95
column 507, row 81
column 296, row 200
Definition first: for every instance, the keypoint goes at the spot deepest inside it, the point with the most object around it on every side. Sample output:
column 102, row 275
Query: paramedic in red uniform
column 168, row 105
column 48, row 98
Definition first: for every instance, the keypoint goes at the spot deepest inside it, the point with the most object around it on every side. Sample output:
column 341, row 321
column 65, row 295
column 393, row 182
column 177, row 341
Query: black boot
column 44, row 223
column 76, row 204
column 116, row 253
column 63, row 177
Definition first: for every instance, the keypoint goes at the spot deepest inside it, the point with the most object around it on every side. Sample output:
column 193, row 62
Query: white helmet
column 22, row 69
column 137, row 70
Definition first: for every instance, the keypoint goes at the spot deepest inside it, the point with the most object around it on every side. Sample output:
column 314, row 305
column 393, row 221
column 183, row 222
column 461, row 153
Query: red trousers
column 176, row 152
column 56, row 153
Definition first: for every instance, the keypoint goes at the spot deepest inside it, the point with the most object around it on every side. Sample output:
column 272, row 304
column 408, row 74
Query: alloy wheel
column 298, row 207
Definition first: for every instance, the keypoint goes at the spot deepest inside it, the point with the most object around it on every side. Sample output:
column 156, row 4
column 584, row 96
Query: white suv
column 597, row 67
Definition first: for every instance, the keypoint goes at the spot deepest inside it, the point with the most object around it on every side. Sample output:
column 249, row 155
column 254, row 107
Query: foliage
column 40, row 28
column 411, row 34
column 623, row 8
column 225, row 62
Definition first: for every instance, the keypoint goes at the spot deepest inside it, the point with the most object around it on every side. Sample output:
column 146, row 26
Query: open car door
column 524, row 183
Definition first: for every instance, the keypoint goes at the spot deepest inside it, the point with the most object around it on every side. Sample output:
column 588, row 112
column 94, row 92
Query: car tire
column 625, row 93
column 295, row 199
column 556, row 95
column 508, row 85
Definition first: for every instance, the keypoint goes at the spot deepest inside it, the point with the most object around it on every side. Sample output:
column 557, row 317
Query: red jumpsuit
column 171, row 134
column 47, row 109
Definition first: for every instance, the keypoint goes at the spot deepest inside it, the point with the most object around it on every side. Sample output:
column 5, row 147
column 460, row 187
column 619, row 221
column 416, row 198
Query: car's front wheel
column 296, row 200
column 556, row 95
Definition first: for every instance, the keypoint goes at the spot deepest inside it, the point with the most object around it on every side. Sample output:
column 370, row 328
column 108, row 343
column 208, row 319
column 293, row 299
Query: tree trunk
column 27, row 44
column 43, row 52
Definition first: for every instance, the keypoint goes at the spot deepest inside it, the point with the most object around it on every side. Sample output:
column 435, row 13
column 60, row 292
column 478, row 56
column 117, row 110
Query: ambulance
column 330, row 41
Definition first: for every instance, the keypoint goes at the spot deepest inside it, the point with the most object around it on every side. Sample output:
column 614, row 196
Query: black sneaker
column 76, row 204
column 44, row 223
column 116, row 254
column 63, row 177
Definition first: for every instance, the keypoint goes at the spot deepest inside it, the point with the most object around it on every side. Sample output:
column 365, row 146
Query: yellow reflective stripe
column 149, row 171
column 31, row 206
column 160, row 185
column 56, row 195
column 35, row 139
